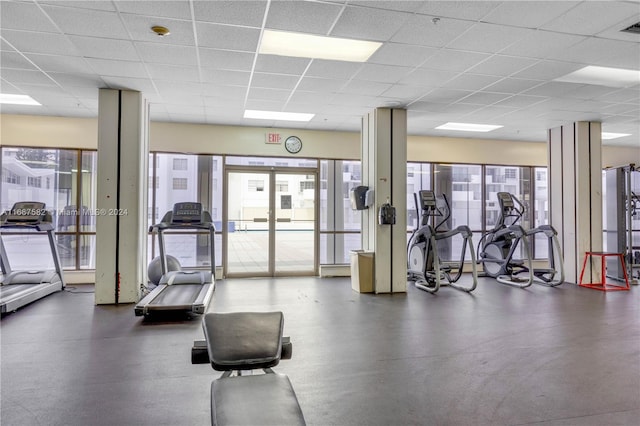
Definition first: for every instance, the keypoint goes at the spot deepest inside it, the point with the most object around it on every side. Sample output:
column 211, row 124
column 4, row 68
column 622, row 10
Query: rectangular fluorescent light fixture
column 301, row 45
column 469, row 127
column 606, row 135
column 6, row 98
column 279, row 116
column 603, row 76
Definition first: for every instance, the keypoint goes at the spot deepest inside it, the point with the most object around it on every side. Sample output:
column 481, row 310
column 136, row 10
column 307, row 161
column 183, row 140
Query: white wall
column 43, row 131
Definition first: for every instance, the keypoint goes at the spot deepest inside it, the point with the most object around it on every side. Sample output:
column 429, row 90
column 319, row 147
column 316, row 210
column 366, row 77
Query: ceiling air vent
column 635, row 29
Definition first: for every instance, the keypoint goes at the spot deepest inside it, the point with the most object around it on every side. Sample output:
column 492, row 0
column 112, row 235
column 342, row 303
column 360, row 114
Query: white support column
column 384, row 169
column 121, row 216
column 575, row 192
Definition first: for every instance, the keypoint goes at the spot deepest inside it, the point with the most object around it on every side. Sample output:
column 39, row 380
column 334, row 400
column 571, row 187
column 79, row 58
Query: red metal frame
column 603, row 285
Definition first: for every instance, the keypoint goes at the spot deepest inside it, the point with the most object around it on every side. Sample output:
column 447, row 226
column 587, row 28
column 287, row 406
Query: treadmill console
column 25, row 212
column 428, row 200
column 186, row 213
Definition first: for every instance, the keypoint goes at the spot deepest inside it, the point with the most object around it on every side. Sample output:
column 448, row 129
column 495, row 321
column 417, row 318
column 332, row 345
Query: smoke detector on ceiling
column 160, row 30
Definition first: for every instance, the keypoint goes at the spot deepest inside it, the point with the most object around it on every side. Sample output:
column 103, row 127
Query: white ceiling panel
column 226, row 59
column 592, row 17
column 86, row 22
column 16, row 61
column 64, row 64
column 281, row 64
column 165, row 8
column 382, row 73
column 25, row 16
column 173, row 72
column 106, row 67
column 166, row 54
column 401, row 54
column 92, row 47
column 290, row 16
column 369, row 24
column 542, row 44
column 30, row 42
column 421, row 30
column 227, row 37
column 243, row 13
column 468, row 10
column 530, row 14
column 477, row 60
column 454, row 60
column 489, row 38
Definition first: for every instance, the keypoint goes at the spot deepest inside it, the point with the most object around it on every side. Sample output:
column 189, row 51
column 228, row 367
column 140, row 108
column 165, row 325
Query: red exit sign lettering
column 273, row 138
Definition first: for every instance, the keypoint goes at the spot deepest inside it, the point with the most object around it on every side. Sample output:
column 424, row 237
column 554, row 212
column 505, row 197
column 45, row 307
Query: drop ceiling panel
column 592, row 17
column 484, row 98
column 244, row 13
column 173, row 72
column 25, row 16
column 140, row 84
column 454, row 60
column 553, row 88
column 227, row 37
column 401, row 54
column 359, row 87
column 292, row 16
column 420, row 30
column 445, row 96
column 219, row 94
column 406, row 92
column 471, row 82
column 548, row 70
column 65, row 64
column 542, row 44
column 382, row 73
column 333, row 69
column 501, row 65
column 313, row 84
column 468, row 10
column 118, row 68
column 369, row 24
column 531, row 14
column 426, row 77
column 16, row 76
column 489, row 38
column 226, row 59
column 83, row 4
column 275, row 81
column 592, row 51
column 309, row 98
column 87, row 22
column 520, row 101
column 165, row 8
column 15, row 60
column 397, row 5
column 105, row 48
column 269, row 94
column 166, row 54
column 281, row 64
column 30, row 42
column 225, row 77
column 513, row 85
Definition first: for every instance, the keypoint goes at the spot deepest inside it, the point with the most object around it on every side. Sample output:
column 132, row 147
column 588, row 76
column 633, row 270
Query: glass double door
column 270, row 223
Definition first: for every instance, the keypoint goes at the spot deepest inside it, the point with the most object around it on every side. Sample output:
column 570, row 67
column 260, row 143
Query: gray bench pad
column 263, row 399
column 243, row 340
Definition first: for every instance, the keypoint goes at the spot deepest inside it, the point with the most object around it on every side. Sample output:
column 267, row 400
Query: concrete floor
column 498, row 356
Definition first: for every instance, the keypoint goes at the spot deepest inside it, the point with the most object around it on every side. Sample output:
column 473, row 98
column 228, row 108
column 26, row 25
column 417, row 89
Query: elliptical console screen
column 26, row 212
column 428, row 199
column 505, row 199
column 184, row 213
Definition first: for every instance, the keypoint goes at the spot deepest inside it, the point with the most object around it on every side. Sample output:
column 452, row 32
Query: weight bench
column 242, row 341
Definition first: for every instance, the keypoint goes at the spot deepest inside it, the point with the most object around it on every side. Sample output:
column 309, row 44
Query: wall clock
column 293, row 144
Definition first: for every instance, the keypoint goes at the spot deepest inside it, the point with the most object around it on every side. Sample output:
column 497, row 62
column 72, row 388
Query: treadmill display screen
column 184, row 213
column 505, row 199
column 428, row 199
column 26, row 212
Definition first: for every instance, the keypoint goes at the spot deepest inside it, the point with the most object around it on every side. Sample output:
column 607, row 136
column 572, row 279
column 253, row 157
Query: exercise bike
column 425, row 267
column 497, row 248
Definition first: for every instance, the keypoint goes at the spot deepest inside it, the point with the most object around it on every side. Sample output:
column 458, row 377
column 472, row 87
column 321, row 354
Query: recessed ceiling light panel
column 603, row 76
column 469, row 127
column 11, row 99
column 301, row 45
column 606, row 135
column 279, row 116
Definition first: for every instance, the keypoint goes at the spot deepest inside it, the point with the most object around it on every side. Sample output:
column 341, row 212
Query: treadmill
column 189, row 291
column 19, row 288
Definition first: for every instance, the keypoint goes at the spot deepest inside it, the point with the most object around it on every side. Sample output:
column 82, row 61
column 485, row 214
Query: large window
column 65, row 180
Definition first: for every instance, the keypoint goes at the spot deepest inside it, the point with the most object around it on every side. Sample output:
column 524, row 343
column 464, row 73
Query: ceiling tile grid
column 442, row 60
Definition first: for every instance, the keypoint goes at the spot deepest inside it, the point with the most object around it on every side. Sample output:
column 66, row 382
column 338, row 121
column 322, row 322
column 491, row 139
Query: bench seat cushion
column 262, row 399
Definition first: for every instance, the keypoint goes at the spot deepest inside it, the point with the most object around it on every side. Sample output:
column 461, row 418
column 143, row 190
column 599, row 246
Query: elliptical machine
column 497, row 247
column 425, row 268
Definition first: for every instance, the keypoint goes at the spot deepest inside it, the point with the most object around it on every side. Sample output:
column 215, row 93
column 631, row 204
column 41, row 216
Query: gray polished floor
column 499, row 356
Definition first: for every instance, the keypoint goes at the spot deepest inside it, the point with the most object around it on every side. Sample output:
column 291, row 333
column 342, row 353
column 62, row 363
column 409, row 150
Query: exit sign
column 273, row 138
